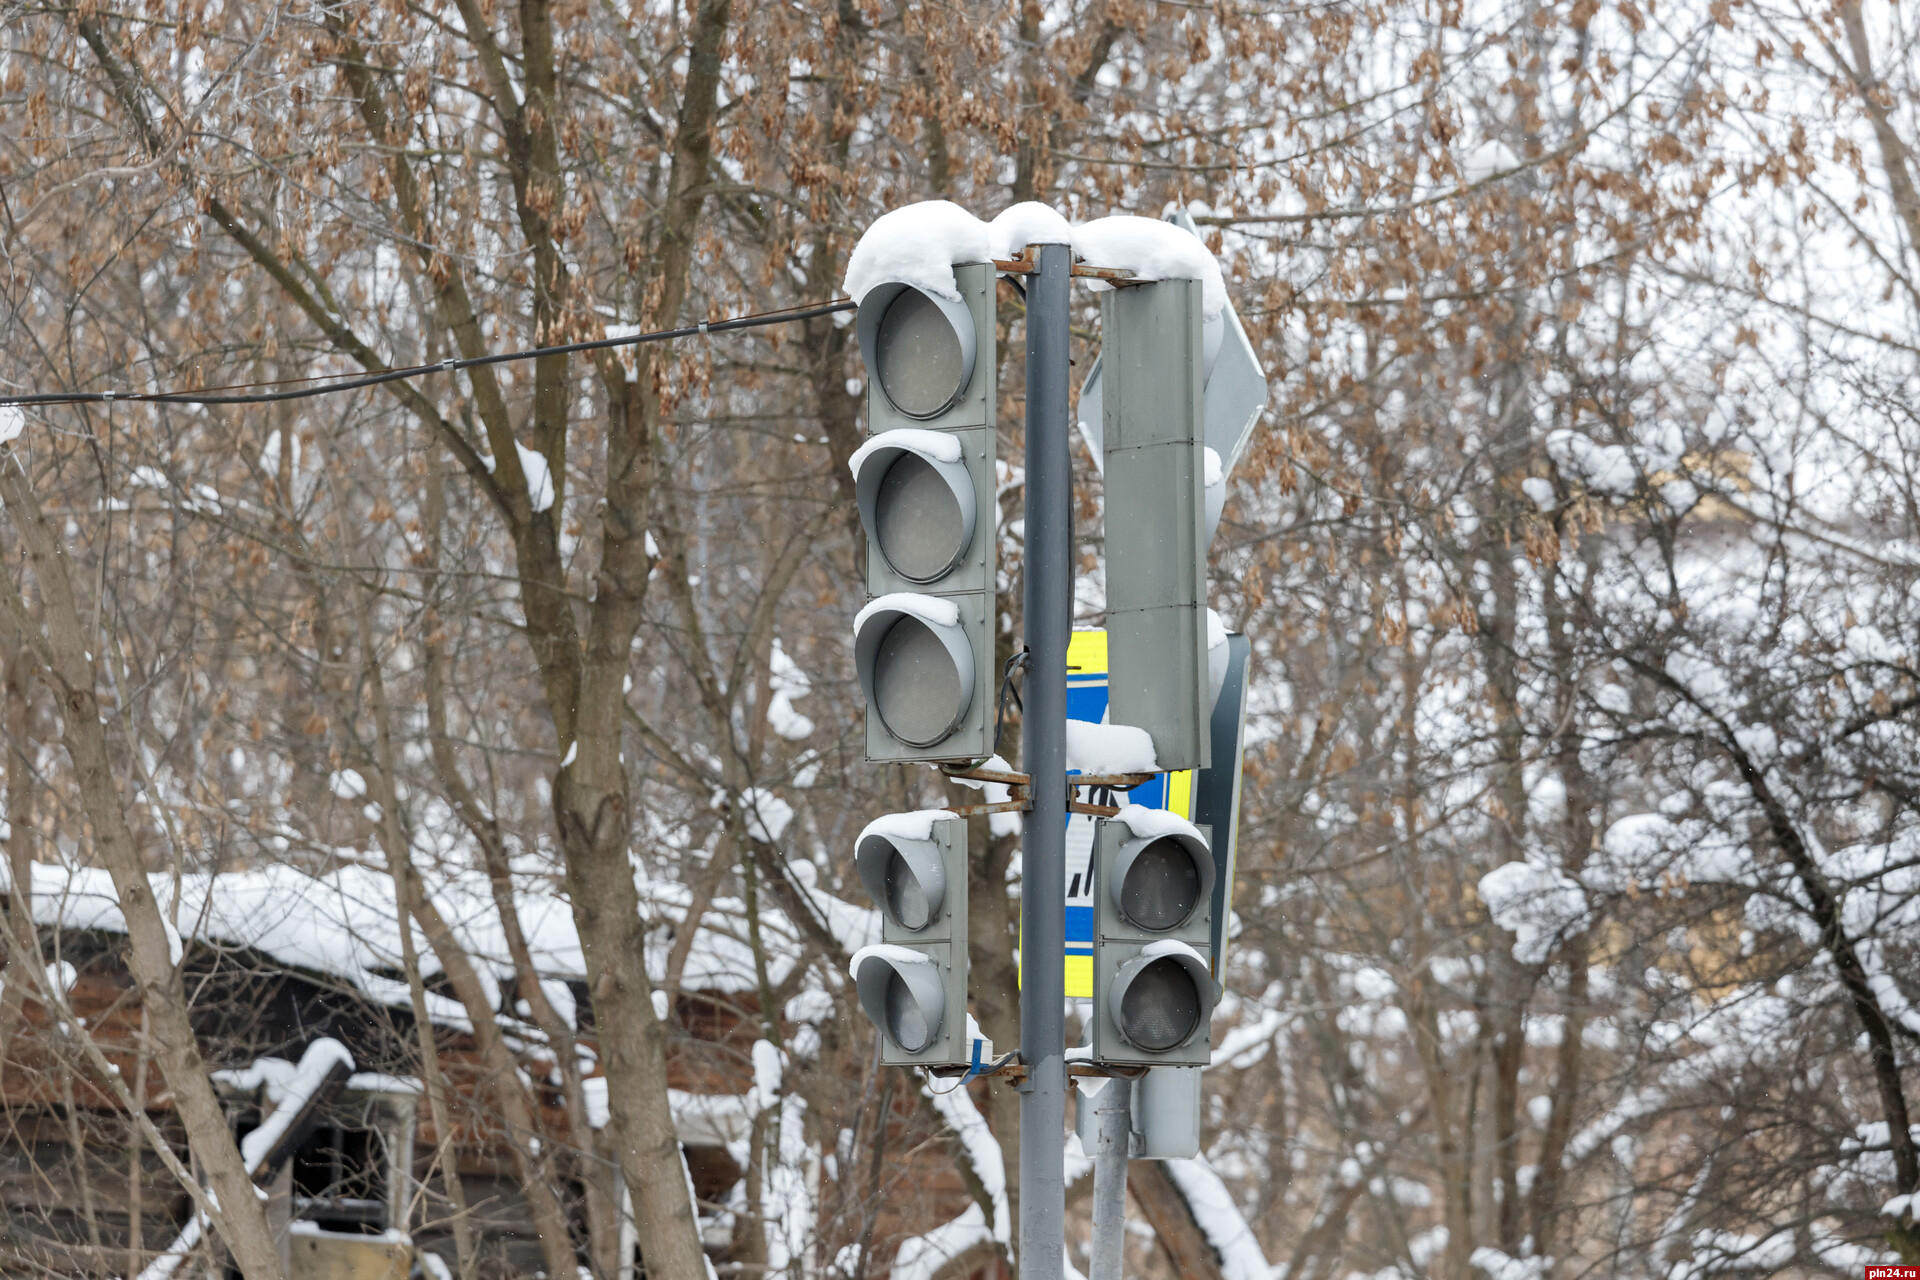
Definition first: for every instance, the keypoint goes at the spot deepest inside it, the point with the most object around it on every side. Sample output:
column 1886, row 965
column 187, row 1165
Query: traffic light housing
column 925, row 485
column 914, row 984
column 1153, row 984
column 1153, row 442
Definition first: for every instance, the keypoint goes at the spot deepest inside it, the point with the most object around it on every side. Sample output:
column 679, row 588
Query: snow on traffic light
column 1153, row 985
column 913, row 984
column 924, row 481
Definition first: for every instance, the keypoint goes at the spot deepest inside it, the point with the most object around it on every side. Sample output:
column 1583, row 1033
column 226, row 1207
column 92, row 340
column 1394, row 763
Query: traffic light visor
column 1162, row 997
column 919, row 347
column 1158, row 881
column 916, row 667
column 906, row 877
column 902, row 996
column 916, row 501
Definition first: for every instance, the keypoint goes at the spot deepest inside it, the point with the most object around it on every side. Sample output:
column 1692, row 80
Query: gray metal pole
column 1113, row 1135
column 1043, row 756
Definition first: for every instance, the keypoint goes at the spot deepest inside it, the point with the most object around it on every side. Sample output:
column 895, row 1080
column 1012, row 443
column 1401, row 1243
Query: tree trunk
column 241, row 1217
column 633, row 1045
column 994, row 983
column 19, row 760
column 1187, row 1248
column 535, row 1165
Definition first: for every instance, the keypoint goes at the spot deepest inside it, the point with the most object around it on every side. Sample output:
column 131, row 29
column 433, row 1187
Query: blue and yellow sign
column 1087, row 700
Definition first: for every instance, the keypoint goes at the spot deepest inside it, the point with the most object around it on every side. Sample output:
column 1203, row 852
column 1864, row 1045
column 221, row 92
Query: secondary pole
column 1113, row 1135
column 1048, row 606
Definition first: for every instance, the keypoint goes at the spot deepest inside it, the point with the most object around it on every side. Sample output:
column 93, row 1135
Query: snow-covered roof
column 344, row 924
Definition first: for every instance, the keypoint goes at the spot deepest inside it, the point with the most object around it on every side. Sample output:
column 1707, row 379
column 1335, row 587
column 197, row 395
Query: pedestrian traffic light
column 1152, row 438
column 1153, row 985
column 925, row 486
column 914, row 983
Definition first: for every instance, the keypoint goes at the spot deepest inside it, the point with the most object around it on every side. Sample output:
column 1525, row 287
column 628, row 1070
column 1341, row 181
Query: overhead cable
column 229, row 395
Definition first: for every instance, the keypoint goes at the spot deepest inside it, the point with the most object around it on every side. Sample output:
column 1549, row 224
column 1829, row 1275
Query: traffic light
column 924, row 480
column 1152, row 439
column 1153, row 987
column 914, row 984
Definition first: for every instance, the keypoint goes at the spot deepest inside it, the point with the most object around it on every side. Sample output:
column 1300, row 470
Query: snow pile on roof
column 918, row 245
column 294, row 1088
column 282, row 1079
column 345, row 925
column 1029, row 222
column 1152, row 250
column 1109, row 748
column 1537, row 905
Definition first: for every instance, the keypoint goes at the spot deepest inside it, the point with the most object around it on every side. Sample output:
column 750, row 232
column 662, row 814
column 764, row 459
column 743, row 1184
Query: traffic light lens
column 1161, row 1006
column 916, row 689
column 917, row 519
column 906, row 896
column 1162, row 887
column 906, row 1022
column 919, row 354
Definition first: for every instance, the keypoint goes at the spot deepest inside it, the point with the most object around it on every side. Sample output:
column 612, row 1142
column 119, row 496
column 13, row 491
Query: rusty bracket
column 1115, row 276
column 1019, row 787
column 981, row 810
column 1023, row 264
column 1013, row 1073
column 1115, row 780
column 1016, row 1072
column 1112, row 1073
column 972, row 774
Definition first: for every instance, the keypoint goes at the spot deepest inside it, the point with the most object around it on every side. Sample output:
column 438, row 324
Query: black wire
column 414, row 371
column 1015, row 663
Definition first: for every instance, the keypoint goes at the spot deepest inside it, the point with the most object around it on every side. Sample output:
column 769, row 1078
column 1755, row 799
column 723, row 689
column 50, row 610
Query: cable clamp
column 107, row 396
column 703, row 328
column 450, row 364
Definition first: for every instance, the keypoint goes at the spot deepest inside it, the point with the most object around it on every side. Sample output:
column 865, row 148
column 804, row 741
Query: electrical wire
column 230, row 395
column 1018, row 662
